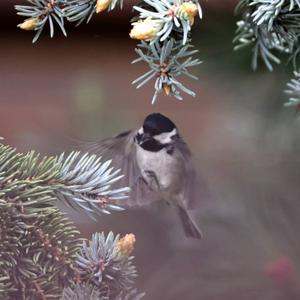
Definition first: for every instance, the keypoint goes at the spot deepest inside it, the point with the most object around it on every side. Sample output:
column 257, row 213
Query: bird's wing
column 121, row 149
column 194, row 189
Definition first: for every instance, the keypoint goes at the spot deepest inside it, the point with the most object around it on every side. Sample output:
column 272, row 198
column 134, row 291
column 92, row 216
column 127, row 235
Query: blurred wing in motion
column 121, row 149
column 194, row 189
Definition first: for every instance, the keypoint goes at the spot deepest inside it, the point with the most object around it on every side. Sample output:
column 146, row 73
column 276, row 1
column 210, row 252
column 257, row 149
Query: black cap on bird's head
column 156, row 133
column 156, row 123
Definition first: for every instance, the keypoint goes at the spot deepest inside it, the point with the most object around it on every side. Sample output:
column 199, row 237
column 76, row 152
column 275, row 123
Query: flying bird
column 157, row 165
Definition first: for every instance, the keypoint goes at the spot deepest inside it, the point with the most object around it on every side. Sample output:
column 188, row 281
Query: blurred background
column 245, row 143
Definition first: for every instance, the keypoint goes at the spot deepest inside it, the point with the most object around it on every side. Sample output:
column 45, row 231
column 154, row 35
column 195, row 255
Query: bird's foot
column 152, row 181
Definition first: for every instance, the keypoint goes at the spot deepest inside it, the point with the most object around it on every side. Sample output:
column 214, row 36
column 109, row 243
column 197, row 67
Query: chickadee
column 157, row 165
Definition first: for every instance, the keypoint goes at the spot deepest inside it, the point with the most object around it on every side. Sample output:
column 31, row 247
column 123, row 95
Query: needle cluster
column 164, row 29
column 54, row 13
column 272, row 29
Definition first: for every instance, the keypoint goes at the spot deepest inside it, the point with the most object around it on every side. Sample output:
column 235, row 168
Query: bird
column 157, row 165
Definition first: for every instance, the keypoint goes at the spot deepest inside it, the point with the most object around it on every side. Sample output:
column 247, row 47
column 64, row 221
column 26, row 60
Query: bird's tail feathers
column 190, row 228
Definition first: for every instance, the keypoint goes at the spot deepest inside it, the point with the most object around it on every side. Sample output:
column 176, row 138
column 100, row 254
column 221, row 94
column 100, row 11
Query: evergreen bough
column 167, row 24
column 163, row 27
column 41, row 253
column 271, row 28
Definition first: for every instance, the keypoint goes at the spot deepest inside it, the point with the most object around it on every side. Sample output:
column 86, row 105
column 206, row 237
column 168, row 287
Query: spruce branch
column 166, row 63
column 171, row 15
column 41, row 254
column 83, row 10
column 37, row 252
column 80, row 11
column 81, row 292
column 40, row 13
column 102, row 264
column 85, row 182
column 105, row 270
column 164, row 30
column 294, row 91
column 162, row 26
column 84, row 292
column 269, row 27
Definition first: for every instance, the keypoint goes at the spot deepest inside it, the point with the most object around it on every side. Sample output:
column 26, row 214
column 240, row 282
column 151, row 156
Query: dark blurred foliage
column 246, row 145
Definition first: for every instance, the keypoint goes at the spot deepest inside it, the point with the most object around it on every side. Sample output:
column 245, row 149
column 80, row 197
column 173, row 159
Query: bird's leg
column 137, row 181
column 153, row 182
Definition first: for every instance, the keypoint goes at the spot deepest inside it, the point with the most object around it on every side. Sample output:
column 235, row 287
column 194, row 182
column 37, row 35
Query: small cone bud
column 188, row 10
column 126, row 244
column 167, row 89
column 29, row 24
column 102, row 5
column 145, row 29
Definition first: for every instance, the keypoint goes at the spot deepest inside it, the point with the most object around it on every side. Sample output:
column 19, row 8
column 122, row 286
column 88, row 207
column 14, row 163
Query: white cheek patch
column 141, row 130
column 166, row 137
